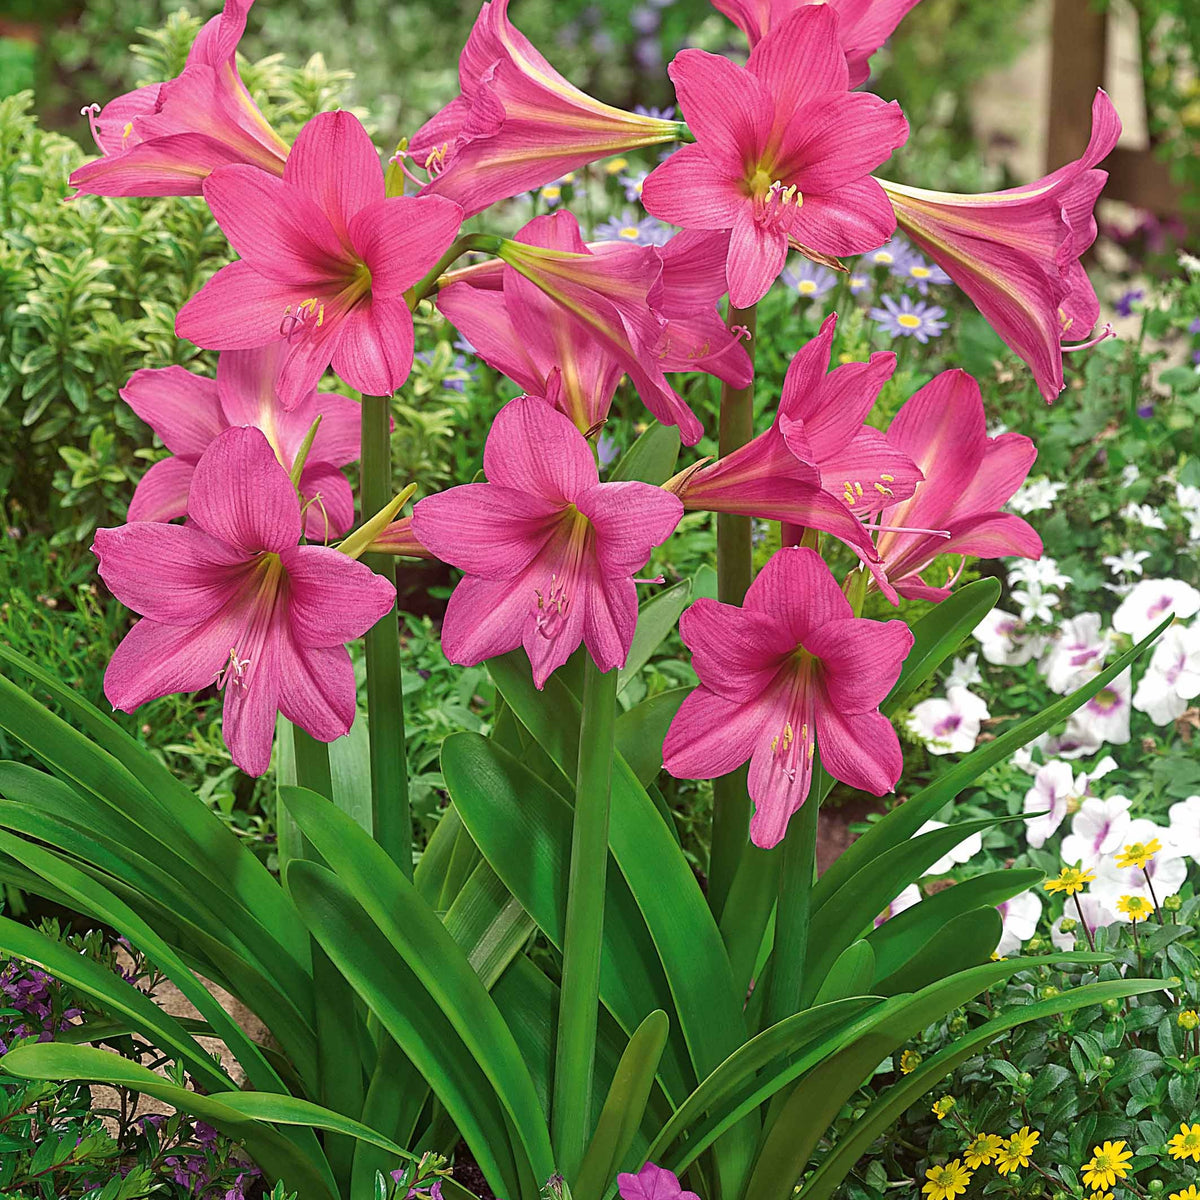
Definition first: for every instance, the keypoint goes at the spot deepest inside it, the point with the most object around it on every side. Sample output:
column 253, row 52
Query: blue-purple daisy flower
column 913, row 268
column 908, row 319
column 629, row 227
column 632, row 183
column 810, row 279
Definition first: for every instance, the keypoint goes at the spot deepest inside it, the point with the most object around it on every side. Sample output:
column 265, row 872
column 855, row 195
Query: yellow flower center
column 908, row 321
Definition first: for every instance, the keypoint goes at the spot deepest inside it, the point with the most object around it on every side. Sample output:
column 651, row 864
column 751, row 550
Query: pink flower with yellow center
column 326, row 260
column 782, row 156
column 189, row 411
column 232, row 598
column 167, row 138
column 549, row 552
column 791, row 672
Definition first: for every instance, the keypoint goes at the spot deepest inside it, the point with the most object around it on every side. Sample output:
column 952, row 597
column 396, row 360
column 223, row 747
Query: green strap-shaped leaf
column 623, row 1108
column 965, row 941
column 651, row 459
column 524, row 831
column 851, row 975
column 908, row 932
column 412, row 927
column 279, row 1157
column 489, row 923
column 656, row 619
column 889, row 1107
column 938, row 634
column 641, row 730
column 905, row 819
column 850, row 911
column 115, row 996
column 226, row 862
column 808, row 1111
column 396, row 995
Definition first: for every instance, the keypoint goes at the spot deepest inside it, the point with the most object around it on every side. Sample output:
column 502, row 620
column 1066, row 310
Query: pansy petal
column 182, row 408
column 162, row 493
column 331, row 598
column 241, row 495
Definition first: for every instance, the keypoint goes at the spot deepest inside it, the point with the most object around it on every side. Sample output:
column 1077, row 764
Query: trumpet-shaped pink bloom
column 652, row 1183
column 1016, row 253
column 791, row 672
column 863, row 25
column 518, row 123
column 607, row 299
column 549, row 552
column 326, row 260
column 818, row 465
column 399, row 538
column 189, row 411
column 165, row 139
column 969, row 477
column 231, row 598
column 550, row 351
column 783, row 156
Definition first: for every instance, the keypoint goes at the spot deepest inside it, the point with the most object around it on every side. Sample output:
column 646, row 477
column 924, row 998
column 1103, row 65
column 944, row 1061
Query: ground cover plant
column 536, row 912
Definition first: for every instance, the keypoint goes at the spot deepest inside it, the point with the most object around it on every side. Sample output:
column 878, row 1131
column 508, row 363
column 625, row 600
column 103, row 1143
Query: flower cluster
column 33, row 1006
column 1008, row 1154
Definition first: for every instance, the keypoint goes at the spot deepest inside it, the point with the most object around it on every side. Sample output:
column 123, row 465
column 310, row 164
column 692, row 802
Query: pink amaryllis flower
column 549, row 552
column 326, row 260
column 863, row 25
column 1016, row 253
column 165, row 139
column 818, row 465
column 189, row 411
column 782, row 156
column 652, row 1183
column 969, row 477
column 791, row 672
column 232, row 598
column 518, row 123
column 645, row 315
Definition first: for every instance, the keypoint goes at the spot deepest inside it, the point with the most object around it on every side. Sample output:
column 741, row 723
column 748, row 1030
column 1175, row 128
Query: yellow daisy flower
column 1186, row 1143
column 910, row 1060
column 982, row 1149
column 1070, row 880
column 944, row 1183
column 1138, row 854
column 615, row 166
column 1189, row 1018
column 1188, row 1193
column 1017, row 1150
column 942, row 1107
column 1136, row 908
column 1109, row 1163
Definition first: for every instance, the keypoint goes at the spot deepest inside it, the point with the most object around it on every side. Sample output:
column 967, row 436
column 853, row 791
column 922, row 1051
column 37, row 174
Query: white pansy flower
column 907, row 898
column 1150, row 601
column 962, row 853
column 1049, row 797
column 1076, row 653
column 1104, row 719
column 1184, row 826
column 1098, row 830
column 1020, row 915
column 949, row 725
column 1173, row 677
column 1096, row 913
column 964, row 671
column 1003, row 641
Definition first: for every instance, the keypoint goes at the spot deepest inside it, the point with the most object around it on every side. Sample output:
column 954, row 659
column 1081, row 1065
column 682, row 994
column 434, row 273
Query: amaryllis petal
column 799, row 594
column 532, row 447
column 194, row 574
column 730, row 647
column 484, row 618
column 182, row 408
column 630, row 519
column 481, row 316
column 811, row 35
column 334, row 599
column 335, row 164
column 162, row 493
column 851, row 220
column 671, row 194
column 237, row 309
column 155, row 660
column 726, row 108
column 316, row 689
column 485, row 529
column 241, row 495
column 708, row 736
column 864, row 660
column 375, row 350
column 400, row 238
column 841, row 139
column 328, row 502
column 609, row 622
column 279, row 231
column 841, row 737
column 757, row 253
column 176, row 165
column 248, row 715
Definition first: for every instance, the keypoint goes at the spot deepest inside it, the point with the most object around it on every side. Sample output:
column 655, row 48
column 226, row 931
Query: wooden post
column 1078, row 43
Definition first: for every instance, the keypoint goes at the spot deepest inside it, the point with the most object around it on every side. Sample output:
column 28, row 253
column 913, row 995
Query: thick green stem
column 793, row 908
column 312, row 763
column 575, row 1053
column 391, row 820
column 731, row 802
column 489, row 243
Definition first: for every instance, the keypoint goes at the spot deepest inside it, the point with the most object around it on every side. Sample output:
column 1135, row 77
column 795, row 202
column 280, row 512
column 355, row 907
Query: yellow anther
column 888, row 478
column 775, row 743
column 787, row 734
column 884, row 491
column 127, row 130
column 858, row 487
